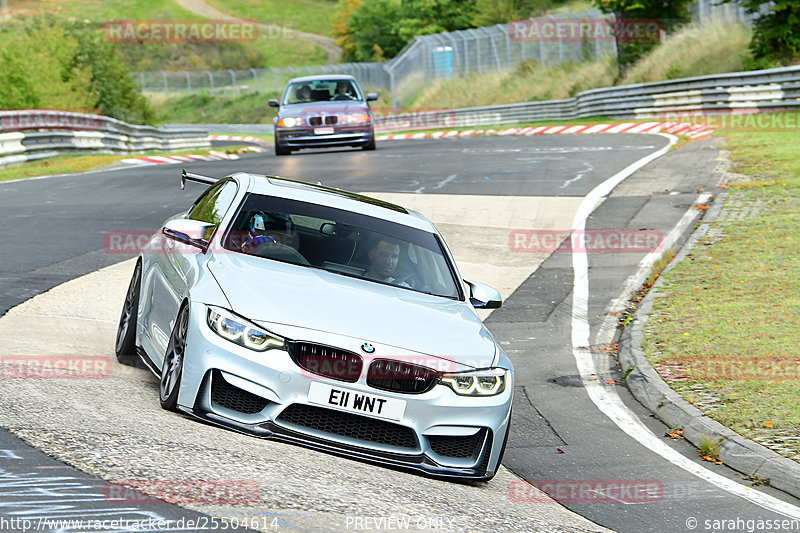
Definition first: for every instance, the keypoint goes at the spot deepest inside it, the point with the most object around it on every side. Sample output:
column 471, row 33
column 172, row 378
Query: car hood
column 278, row 293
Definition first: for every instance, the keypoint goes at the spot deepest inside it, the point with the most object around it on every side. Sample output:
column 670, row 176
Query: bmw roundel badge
column 368, row 348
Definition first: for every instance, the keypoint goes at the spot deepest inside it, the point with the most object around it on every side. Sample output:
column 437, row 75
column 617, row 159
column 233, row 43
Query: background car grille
column 399, row 376
column 317, row 121
column 348, row 425
column 226, row 395
column 457, row 447
column 326, row 361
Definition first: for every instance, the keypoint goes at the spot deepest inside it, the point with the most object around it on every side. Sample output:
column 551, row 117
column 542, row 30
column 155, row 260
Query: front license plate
column 323, row 131
column 356, row 401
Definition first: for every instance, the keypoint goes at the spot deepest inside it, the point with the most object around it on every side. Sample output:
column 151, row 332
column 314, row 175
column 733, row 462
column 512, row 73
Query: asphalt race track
column 482, row 193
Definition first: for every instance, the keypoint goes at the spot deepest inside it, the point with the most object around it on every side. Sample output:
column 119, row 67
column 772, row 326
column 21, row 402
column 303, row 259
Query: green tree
column 48, row 66
column 38, row 70
column 341, row 28
column 633, row 16
column 371, row 30
column 117, row 94
column 776, row 31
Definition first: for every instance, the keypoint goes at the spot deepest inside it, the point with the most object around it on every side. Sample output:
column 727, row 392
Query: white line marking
column 606, row 399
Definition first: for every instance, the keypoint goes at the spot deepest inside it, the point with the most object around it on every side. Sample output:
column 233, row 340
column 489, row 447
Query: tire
column 280, row 150
column 125, row 346
column 172, row 367
column 370, row 145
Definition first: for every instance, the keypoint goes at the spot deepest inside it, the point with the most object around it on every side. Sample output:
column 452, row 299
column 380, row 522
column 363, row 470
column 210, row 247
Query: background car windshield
column 342, row 242
column 322, row 91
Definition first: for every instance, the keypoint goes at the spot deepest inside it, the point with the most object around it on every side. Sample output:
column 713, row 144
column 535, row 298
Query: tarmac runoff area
column 113, row 427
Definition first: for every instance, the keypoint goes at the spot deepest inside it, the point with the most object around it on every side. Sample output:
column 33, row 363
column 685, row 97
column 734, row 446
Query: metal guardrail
column 36, row 134
column 722, row 93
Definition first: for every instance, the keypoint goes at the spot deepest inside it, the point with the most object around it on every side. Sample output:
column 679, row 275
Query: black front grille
column 399, row 376
column 226, row 395
column 331, row 119
column 326, row 361
column 347, row 425
column 315, row 121
column 457, row 447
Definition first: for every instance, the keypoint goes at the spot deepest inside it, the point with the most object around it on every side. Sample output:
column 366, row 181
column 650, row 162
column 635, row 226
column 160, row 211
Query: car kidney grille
column 399, row 376
column 457, row 447
column 331, row 119
column 226, row 395
column 326, row 361
column 348, row 425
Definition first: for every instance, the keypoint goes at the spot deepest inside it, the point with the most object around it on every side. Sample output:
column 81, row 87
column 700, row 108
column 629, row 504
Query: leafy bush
column 374, row 30
column 776, row 32
column 49, row 66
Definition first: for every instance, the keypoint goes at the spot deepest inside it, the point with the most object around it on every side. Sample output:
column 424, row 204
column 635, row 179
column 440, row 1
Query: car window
column 212, row 206
column 342, row 242
column 322, row 91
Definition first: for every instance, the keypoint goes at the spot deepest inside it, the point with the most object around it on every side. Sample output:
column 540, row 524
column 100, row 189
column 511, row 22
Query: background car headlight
column 487, row 382
column 357, row 118
column 244, row 333
column 290, row 122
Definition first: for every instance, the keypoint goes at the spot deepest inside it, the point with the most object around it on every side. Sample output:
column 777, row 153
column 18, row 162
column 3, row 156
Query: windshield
column 342, row 242
column 322, row 91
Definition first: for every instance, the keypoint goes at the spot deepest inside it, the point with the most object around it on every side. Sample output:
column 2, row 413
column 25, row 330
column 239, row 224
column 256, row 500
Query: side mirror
column 274, row 103
column 483, row 296
column 372, row 96
column 191, row 232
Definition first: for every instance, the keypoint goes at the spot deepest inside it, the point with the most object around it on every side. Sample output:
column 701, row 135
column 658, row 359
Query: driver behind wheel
column 383, row 258
column 270, row 228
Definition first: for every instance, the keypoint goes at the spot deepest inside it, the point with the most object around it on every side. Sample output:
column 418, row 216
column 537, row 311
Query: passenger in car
column 383, row 258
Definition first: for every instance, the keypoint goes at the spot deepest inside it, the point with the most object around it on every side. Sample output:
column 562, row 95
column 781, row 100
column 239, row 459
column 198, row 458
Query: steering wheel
column 262, row 246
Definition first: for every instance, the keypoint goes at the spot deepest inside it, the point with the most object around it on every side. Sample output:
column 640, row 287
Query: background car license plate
column 356, row 401
column 323, row 131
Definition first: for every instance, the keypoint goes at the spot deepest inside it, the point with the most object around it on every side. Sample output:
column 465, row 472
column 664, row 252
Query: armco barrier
column 36, row 134
column 666, row 100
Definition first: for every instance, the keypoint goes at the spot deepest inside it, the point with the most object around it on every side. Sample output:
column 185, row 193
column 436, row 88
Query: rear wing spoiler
column 189, row 176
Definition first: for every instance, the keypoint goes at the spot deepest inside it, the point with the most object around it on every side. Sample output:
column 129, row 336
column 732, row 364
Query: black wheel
column 370, row 145
column 172, row 369
column 280, row 150
column 126, row 332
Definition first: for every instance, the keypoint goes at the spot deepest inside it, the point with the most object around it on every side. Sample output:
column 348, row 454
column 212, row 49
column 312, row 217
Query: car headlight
column 290, row 122
column 240, row 331
column 486, row 382
column 357, row 118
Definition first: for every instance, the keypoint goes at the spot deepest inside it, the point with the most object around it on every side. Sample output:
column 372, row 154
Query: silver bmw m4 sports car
column 317, row 316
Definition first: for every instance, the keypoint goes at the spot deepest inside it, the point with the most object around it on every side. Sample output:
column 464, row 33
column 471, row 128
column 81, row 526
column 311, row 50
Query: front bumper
column 266, row 394
column 306, row 138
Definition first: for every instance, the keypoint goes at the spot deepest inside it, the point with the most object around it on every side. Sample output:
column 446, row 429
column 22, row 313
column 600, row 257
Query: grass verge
column 723, row 330
column 312, row 16
column 71, row 164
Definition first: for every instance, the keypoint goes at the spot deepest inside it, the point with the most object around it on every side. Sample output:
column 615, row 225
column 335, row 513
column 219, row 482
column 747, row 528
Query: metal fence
column 711, row 11
column 427, row 59
column 236, row 82
column 423, row 61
